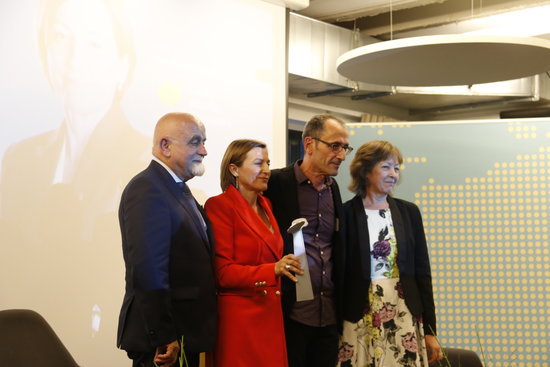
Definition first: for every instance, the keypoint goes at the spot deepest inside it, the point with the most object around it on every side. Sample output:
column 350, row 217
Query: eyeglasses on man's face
column 336, row 147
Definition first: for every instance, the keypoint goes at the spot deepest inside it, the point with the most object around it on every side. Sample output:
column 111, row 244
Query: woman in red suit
column 248, row 262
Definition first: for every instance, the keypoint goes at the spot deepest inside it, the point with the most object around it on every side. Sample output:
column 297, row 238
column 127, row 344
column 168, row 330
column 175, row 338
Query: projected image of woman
column 88, row 57
column 389, row 311
column 60, row 189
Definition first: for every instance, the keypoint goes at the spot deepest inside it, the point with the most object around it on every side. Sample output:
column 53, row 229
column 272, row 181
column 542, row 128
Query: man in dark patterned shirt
column 306, row 190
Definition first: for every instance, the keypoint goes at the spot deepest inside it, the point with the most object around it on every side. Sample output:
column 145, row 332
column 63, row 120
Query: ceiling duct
column 526, row 113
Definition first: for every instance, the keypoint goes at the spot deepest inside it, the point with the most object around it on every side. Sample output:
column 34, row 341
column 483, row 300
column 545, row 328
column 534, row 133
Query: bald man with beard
column 168, row 252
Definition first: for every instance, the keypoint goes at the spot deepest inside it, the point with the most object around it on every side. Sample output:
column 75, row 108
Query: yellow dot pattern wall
column 483, row 190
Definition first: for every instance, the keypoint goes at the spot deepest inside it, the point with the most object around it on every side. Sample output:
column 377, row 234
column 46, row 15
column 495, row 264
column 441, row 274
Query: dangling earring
column 237, row 182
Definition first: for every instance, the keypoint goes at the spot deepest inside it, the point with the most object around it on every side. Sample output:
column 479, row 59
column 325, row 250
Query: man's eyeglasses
column 336, row 147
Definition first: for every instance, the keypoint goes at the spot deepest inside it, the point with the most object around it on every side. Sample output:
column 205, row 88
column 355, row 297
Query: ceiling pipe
column 464, row 106
column 372, row 95
column 329, row 92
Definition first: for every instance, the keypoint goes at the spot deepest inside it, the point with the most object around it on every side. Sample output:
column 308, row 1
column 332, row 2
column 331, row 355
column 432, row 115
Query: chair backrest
column 26, row 339
column 459, row 358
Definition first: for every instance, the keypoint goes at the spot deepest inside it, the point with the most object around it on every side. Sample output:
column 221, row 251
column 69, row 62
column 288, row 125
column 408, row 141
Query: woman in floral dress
column 389, row 312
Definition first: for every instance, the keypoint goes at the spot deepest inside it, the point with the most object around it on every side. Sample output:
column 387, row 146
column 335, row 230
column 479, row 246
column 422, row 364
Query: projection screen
column 83, row 83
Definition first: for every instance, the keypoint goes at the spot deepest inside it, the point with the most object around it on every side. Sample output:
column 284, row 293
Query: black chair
column 26, row 340
column 459, row 358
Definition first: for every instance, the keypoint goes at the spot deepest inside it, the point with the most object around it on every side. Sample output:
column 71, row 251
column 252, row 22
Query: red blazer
column 250, row 325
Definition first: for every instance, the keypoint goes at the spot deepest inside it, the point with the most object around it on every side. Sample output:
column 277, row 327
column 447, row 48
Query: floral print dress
column 388, row 335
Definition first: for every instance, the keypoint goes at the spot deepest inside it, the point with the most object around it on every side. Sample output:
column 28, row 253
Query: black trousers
column 146, row 359
column 310, row 346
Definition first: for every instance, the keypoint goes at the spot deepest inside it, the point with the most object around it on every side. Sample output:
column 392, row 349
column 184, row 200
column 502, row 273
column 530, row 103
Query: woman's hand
column 288, row 266
column 435, row 353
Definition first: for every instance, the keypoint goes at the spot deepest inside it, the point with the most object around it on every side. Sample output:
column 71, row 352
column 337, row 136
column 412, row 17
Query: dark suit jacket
column 283, row 192
column 77, row 219
column 29, row 167
column 170, row 284
column 412, row 258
